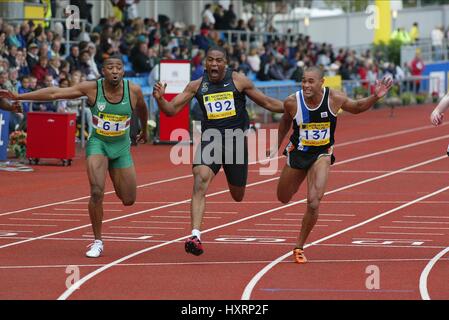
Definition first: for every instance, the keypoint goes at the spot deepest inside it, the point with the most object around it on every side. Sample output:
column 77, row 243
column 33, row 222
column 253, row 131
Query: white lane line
column 389, row 246
column 87, row 197
column 160, row 228
column 30, row 219
column 385, row 171
column 158, row 264
column 271, row 230
column 83, row 209
column 322, row 214
column 387, row 135
column 408, row 233
column 390, row 239
column 430, row 217
column 129, row 234
column 206, row 212
column 253, row 282
column 174, row 222
column 253, row 236
column 61, row 214
column 415, row 228
column 425, row 274
column 321, row 220
column 27, row 225
column 183, row 217
column 72, row 201
column 422, row 222
column 70, row 290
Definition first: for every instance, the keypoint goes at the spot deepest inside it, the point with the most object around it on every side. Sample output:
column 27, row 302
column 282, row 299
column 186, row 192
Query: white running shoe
column 96, row 249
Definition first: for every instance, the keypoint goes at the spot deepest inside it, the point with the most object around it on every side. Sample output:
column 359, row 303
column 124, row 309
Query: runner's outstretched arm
column 13, row 107
column 174, row 106
column 142, row 113
column 361, row 105
column 266, row 102
column 51, row 93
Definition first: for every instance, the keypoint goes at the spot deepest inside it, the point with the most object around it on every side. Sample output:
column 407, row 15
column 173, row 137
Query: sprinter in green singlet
column 112, row 100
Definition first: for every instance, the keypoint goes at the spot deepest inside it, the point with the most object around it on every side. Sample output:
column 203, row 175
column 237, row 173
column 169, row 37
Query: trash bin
column 51, row 135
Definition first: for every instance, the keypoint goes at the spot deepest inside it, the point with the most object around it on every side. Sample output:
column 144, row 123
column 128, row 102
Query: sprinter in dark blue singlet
column 221, row 94
column 313, row 111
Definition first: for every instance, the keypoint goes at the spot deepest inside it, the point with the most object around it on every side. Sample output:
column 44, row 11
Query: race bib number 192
column 219, row 105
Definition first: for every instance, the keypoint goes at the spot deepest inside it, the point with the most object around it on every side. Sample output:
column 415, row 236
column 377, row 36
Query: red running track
column 385, row 210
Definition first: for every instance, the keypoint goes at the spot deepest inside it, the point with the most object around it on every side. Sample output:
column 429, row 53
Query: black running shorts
column 304, row 160
column 231, row 153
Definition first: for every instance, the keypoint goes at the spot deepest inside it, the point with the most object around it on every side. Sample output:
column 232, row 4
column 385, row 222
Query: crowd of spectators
column 32, row 55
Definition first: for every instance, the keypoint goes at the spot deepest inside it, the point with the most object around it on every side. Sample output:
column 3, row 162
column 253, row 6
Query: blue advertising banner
column 4, row 136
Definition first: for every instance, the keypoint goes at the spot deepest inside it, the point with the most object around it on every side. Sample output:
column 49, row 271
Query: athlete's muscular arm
column 340, row 100
column 287, row 118
column 142, row 113
column 245, row 85
column 54, row 93
column 174, row 106
column 13, row 107
column 437, row 114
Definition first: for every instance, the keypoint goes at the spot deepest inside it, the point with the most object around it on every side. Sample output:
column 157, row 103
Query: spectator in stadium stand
column 416, row 69
column 414, row 33
column 254, row 59
column 11, row 56
column 24, row 34
column 24, row 88
column 218, row 16
column 140, row 58
column 32, row 57
column 202, row 40
column 40, row 70
column 93, row 65
column 11, row 38
column 437, row 37
column 55, row 48
column 73, row 59
column 13, row 75
column 85, row 67
column 49, row 106
column 3, row 47
column 53, row 68
column 229, row 18
column 208, row 16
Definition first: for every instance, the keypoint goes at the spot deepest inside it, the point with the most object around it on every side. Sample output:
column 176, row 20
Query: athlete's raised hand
column 142, row 137
column 8, row 95
column 159, row 90
column 383, row 86
column 16, row 107
column 436, row 117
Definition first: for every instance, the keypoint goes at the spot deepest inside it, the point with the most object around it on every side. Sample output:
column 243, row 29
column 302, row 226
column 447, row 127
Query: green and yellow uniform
column 110, row 135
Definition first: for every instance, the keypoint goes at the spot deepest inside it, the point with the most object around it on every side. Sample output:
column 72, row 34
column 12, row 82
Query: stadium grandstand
column 39, row 53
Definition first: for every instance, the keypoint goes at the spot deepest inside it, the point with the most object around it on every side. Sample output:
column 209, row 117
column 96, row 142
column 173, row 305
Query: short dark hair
column 315, row 69
column 218, row 48
column 114, row 56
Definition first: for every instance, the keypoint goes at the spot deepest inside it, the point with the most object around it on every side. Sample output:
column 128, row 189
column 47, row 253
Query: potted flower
column 18, row 143
column 435, row 96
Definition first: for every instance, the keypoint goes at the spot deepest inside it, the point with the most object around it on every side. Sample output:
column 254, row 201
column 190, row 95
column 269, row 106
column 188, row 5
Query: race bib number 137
column 315, row 134
column 219, row 105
